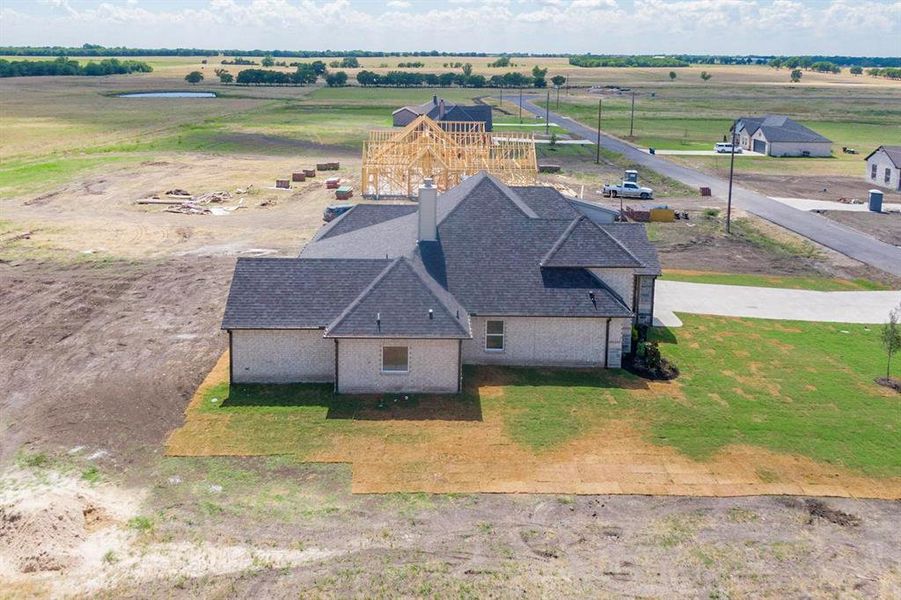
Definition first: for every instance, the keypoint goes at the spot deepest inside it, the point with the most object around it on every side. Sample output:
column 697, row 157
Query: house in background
column 396, row 298
column 438, row 109
column 884, row 167
column 778, row 135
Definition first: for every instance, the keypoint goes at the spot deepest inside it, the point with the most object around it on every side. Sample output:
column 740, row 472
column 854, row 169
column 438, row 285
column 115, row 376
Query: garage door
column 760, row 146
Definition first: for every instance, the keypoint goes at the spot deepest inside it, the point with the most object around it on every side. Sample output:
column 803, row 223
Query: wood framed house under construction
column 395, row 163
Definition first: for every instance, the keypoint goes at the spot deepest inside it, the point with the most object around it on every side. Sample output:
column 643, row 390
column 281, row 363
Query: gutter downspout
column 336, row 365
column 231, row 360
column 607, row 343
column 460, row 366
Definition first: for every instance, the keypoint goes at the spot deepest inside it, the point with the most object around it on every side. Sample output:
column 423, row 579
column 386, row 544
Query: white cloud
column 400, row 4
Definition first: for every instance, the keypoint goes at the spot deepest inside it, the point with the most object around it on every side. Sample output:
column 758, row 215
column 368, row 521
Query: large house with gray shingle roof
column 396, row 298
column 778, row 135
column 439, row 109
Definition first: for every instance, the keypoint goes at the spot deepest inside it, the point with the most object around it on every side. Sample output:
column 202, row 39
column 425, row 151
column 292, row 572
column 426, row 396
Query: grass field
column 786, row 387
column 821, row 284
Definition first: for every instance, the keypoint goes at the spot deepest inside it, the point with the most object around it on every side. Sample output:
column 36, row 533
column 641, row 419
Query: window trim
column 502, row 335
column 874, row 172
column 888, row 175
column 385, row 371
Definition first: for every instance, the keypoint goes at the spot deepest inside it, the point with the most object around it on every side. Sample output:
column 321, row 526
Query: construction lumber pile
column 395, row 162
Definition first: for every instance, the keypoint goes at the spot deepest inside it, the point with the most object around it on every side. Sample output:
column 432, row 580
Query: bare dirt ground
column 885, row 227
column 815, row 188
column 110, row 321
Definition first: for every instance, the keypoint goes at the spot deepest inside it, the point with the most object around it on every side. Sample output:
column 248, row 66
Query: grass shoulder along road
column 791, row 390
column 821, row 284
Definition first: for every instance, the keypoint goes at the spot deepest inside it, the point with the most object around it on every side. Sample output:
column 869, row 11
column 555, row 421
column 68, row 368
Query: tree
column 267, row 61
column 349, row 62
column 796, row 75
column 194, row 77
column 318, row 67
column 337, row 79
column 891, row 338
column 672, row 75
column 225, row 76
column 705, row 75
column 558, row 81
column 467, row 69
column 856, row 70
column 538, row 72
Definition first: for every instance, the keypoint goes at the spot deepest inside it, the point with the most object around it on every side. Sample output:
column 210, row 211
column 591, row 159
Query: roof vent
column 431, row 314
column 378, row 319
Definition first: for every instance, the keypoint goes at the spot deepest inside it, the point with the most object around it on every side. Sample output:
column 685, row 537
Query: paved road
column 811, row 225
column 770, row 303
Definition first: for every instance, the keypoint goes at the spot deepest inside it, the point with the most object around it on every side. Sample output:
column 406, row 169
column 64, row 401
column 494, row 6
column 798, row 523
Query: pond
column 169, row 95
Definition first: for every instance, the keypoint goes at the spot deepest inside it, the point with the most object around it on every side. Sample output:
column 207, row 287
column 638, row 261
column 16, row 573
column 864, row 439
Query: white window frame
column 502, row 335
column 874, row 172
column 888, row 175
column 395, row 371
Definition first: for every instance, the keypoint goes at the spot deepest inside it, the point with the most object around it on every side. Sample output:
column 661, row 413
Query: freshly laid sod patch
column 793, row 400
column 821, row 284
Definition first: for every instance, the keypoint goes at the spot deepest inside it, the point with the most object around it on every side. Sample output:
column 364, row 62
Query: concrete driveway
column 849, row 242
column 770, row 303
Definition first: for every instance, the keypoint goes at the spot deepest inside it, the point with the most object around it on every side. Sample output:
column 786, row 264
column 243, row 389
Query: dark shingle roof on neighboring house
column 293, row 293
column 400, row 303
column 584, row 244
column 780, row 128
column 893, row 153
column 546, row 202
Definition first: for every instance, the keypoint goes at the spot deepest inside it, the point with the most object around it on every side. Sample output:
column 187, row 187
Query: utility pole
column 597, row 158
column 632, row 118
column 558, row 98
column 547, row 114
column 520, row 106
column 731, row 172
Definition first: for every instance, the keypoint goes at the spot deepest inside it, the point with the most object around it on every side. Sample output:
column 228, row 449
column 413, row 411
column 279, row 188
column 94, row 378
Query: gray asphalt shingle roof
column 584, row 244
column 294, row 293
column 400, row 303
column 780, row 128
column 893, row 153
column 492, row 240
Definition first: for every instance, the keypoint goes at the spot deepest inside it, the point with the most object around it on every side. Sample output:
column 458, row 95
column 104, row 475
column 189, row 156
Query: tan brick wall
column 432, row 366
column 552, row 341
column 621, row 281
column 282, row 356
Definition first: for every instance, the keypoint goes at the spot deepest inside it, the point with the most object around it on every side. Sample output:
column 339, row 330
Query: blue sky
column 851, row 27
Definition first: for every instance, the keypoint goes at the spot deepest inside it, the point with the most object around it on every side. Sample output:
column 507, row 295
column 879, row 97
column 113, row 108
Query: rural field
column 774, row 476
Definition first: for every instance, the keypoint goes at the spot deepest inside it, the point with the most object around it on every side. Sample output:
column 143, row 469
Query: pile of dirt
column 42, row 533
column 890, row 382
column 819, row 510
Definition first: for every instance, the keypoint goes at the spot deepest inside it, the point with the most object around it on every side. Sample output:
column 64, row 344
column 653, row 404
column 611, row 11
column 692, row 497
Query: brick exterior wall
column 551, row 341
column 433, row 366
column 622, row 282
column 281, row 356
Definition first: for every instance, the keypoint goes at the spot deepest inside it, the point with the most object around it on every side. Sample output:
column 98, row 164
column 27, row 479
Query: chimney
column 441, row 108
column 435, row 100
column 428, row 211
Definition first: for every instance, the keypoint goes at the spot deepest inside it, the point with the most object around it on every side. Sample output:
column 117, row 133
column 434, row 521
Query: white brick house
column 884, row 167
column 388, row 298
column 778, row 135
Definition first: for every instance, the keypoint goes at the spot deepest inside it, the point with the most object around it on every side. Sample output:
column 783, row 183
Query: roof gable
column 584, row 244
column 893, row 153
column 399, row 303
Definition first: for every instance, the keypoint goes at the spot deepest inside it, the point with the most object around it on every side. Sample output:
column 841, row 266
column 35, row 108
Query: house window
column 494, row 336
column 395, row 359
column 873, row 168
column 888, row 175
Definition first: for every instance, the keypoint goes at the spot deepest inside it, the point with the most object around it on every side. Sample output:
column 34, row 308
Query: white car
column 726, row 148
column 628, row 189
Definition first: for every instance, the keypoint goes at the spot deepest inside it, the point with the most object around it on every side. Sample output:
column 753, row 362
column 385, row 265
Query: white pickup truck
column 628, row 189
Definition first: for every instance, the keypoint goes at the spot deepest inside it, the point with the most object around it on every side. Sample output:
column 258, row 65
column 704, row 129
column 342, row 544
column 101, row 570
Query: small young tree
column 672, row 75
column 558, row 80
column 796, row 75
column 194, row 77
column 705, row 75
column 225, row 77
column 856, row 70
column 467, row 69
column 891, row 338
column 267, row 61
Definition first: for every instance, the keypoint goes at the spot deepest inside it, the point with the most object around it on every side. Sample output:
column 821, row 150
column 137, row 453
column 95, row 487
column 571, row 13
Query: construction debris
column 189, row 208
column 214, row 197
column 178, row 192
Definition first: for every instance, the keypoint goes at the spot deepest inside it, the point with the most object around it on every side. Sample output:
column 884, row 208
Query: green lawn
column 791, row 387
column 821, row 284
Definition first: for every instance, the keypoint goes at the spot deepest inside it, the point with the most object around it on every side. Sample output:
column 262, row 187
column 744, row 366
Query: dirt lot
column 815, row 188
column 885, row 227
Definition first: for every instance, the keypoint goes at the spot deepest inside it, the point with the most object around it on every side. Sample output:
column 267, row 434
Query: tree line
column 449, row 79
column 63, row 66
column 592, row 60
